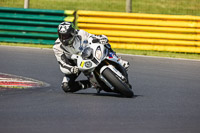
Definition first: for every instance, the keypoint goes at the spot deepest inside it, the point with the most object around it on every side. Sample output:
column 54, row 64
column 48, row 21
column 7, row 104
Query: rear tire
column 119, row 85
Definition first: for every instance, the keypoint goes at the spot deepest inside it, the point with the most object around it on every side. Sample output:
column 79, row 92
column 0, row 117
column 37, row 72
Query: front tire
column 119, row 85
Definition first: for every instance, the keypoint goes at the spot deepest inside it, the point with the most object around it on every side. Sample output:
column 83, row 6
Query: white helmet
column 66, row 33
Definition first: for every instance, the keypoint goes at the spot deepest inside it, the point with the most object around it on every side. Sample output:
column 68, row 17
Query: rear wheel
column 119, row 85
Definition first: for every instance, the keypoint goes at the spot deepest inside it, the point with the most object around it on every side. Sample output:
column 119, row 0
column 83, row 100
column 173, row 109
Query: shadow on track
column 103, row 94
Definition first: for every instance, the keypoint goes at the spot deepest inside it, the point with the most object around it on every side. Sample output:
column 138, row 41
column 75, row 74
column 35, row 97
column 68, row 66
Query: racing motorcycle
column 100, row 65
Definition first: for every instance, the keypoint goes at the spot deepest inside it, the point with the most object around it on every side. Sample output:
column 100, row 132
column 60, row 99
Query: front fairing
column 91, row 64
column 112, row 57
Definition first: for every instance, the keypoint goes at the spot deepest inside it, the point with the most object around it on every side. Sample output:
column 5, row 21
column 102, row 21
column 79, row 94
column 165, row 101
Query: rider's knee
column 65, row 87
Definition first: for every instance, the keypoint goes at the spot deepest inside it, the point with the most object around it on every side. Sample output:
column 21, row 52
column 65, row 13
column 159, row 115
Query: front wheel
column 119, row 85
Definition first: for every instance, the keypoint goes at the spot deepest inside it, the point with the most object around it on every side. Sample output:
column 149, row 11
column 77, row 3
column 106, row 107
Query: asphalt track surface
column 167, row 98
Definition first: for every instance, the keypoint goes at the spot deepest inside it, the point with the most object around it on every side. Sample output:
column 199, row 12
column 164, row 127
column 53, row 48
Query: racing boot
column 84, row 84
column 73, row 86
column 65, row 87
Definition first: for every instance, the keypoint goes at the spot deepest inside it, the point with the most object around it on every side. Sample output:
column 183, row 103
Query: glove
column 74, row 70
column 103, row 40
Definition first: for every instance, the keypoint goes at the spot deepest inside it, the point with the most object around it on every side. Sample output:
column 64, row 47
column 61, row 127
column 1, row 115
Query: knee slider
column 65, row 87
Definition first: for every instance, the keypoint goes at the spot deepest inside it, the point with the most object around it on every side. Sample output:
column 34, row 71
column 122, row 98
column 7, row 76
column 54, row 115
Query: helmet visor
column 67, row 39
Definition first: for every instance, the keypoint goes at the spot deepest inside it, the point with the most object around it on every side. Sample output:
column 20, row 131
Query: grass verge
column 123, row 51
column 26, row 45
column 160, row 54
column 184, row 7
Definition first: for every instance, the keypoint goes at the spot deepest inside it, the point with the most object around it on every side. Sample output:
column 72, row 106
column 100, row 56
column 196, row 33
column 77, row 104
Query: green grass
column 184, row 7
column 160, row 54
column 26, row 45
column 2, row 87
column 123, row 51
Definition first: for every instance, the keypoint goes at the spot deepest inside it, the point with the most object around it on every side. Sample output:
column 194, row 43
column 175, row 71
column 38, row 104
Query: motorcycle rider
column 72, row 41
